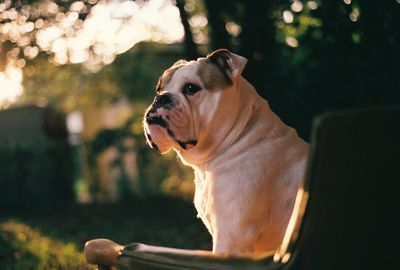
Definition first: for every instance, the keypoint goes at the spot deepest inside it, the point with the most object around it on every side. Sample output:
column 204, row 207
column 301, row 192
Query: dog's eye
column 190, row 89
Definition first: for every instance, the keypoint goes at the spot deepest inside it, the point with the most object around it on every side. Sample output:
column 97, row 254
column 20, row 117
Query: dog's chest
column 203, row 199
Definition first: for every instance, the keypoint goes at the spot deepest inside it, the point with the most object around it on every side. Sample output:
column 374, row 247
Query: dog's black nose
column 162, row 100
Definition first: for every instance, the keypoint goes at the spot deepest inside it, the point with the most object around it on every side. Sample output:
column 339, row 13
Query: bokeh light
column 233, row 29
column 10, row 86
column 297, row 6
column 109, row 28
column 312, row 5
column 288, row 16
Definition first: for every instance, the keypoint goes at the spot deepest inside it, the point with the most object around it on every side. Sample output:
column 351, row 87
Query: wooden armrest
column 102, row 252
column 108, row 254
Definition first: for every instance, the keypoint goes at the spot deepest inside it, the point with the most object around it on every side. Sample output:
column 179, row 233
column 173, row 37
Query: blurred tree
column 21, row 20
column 311, row 56
column 304, row 57
column 296, row 49
column 191, row 51
column 218, row 13
column 258, row 43
column 137, row 71
column 71, row 32
column 46, row 83
column 351, row 58
column 132, row 75
column 40, row 37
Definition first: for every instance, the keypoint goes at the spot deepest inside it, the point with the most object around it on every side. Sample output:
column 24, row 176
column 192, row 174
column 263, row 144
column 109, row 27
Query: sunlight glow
column 10, row 86
column 111, row 28
column 75, row 122
column 292, row 231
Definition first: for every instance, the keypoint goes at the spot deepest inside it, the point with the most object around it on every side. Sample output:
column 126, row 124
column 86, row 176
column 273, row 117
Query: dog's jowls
column 248, row 164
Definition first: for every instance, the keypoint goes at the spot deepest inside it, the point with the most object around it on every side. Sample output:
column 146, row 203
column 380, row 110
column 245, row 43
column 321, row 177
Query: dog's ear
column 229, row 63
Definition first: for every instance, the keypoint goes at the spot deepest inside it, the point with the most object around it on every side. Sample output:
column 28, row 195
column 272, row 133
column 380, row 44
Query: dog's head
column 192, row 102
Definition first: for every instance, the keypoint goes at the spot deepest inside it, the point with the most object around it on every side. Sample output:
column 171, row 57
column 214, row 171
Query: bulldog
column 248, row 164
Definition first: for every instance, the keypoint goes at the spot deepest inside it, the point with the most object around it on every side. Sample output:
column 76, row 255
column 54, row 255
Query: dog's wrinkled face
column 189, row 96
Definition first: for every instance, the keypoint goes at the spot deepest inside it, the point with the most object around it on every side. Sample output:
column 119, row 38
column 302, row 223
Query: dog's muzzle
column 160, row 101
column 163, row 100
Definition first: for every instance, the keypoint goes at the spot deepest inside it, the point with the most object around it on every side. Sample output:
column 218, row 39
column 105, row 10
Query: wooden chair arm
column 109, row 255
column 102, row 252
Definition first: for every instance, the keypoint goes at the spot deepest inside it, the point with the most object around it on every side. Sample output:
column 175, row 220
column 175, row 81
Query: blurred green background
column 76, row 76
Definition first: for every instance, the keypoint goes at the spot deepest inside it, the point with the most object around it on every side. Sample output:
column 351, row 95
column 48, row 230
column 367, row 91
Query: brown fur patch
column 212, row 76
column 209, row 72
column 220, row 58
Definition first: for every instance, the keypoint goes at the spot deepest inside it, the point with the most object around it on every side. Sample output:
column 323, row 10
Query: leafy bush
column 157, row 174
column 22, row 247
column 35, row 176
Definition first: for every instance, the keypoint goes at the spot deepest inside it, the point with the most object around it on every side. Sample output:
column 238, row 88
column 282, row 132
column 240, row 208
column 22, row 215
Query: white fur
column 248, row 164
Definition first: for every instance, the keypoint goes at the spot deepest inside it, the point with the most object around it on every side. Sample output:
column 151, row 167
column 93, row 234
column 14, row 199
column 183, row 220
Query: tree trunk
column 190, row 46
column 219, row 37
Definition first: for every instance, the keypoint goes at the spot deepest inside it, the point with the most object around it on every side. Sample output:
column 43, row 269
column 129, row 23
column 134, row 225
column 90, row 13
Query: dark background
column 338, row 64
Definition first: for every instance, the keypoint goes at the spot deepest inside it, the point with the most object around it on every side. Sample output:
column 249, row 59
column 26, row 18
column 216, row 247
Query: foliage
column 137, row 71
column 164, row 173
column 72, row 87
column 22, row 20
column 157, row 174
column 296, row 49
column 105, row 139
column 45, row 83
column 55, row 28
column 55, row 240
column 90, row 32
column 36, row 176
column 23, row 247
column 305, row 57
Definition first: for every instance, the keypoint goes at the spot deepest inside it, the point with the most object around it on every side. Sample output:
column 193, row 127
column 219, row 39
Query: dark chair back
column 352, row 215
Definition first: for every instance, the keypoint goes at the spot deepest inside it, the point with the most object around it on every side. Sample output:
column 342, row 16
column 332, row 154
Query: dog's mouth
column 187, row 145
column 158, row 120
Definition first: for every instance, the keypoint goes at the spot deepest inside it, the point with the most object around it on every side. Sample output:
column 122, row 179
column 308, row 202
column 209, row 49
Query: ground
column 55, row 240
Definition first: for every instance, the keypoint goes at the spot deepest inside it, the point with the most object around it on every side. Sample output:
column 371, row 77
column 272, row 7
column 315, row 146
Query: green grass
column 23, row 247
column 56, row 240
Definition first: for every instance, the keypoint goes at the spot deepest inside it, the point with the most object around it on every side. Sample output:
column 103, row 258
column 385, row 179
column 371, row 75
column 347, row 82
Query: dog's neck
column 247, row 112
